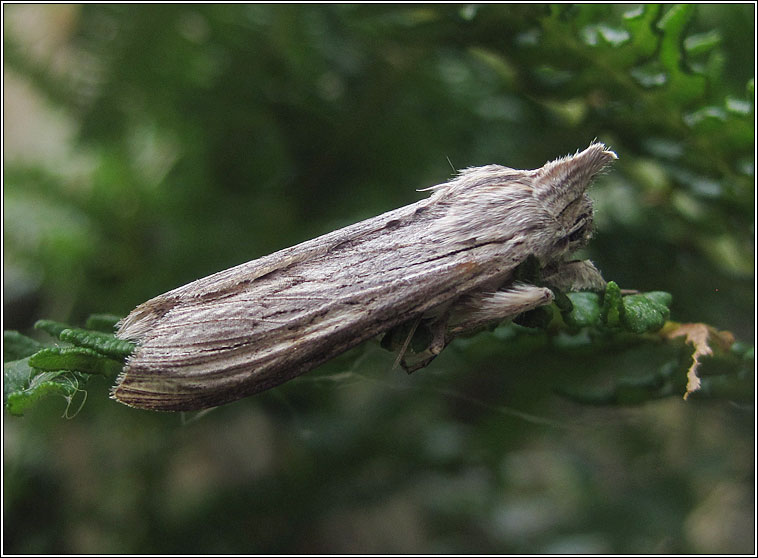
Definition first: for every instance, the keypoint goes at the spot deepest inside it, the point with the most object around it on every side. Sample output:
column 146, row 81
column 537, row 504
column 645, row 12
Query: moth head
column 560, row 187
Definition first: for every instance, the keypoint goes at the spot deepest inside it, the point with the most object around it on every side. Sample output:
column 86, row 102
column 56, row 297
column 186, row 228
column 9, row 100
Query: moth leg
column 439, row 340
column 419, row 340
column 483, row 308
column 408, row 338
column 471, row 312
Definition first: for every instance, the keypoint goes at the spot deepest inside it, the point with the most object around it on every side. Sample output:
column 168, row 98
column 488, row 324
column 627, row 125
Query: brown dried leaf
column 704, row 338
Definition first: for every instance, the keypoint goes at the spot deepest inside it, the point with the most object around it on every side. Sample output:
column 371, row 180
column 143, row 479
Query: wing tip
column 153, row 391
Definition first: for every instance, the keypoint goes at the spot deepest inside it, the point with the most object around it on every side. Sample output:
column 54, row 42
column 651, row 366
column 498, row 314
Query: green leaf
column 16, row 376
column 51, row 327
column 37, row 370
column 102, row 322
column 612, row 305
column 23, row 385
column 586, row 310
column 643, row 314
column 684, row 86
column 673, row 25
column 48, row 383
column 661, row 297
column 17, row 346
column 104, row 343
column 639, row 23
column 79, row 359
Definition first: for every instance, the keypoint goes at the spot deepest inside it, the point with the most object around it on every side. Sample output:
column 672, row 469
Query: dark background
column 146, row 146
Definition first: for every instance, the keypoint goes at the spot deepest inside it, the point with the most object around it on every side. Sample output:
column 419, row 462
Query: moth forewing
column 448, row 259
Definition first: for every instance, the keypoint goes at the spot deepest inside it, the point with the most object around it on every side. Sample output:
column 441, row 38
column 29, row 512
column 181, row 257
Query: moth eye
column 578, row 234
column 582, row 223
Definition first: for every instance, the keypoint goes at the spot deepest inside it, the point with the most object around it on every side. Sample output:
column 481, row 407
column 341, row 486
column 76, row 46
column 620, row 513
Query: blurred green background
column 149, row 145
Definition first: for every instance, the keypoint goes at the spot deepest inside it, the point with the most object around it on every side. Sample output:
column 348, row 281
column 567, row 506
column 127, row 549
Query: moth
column 446, row 263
